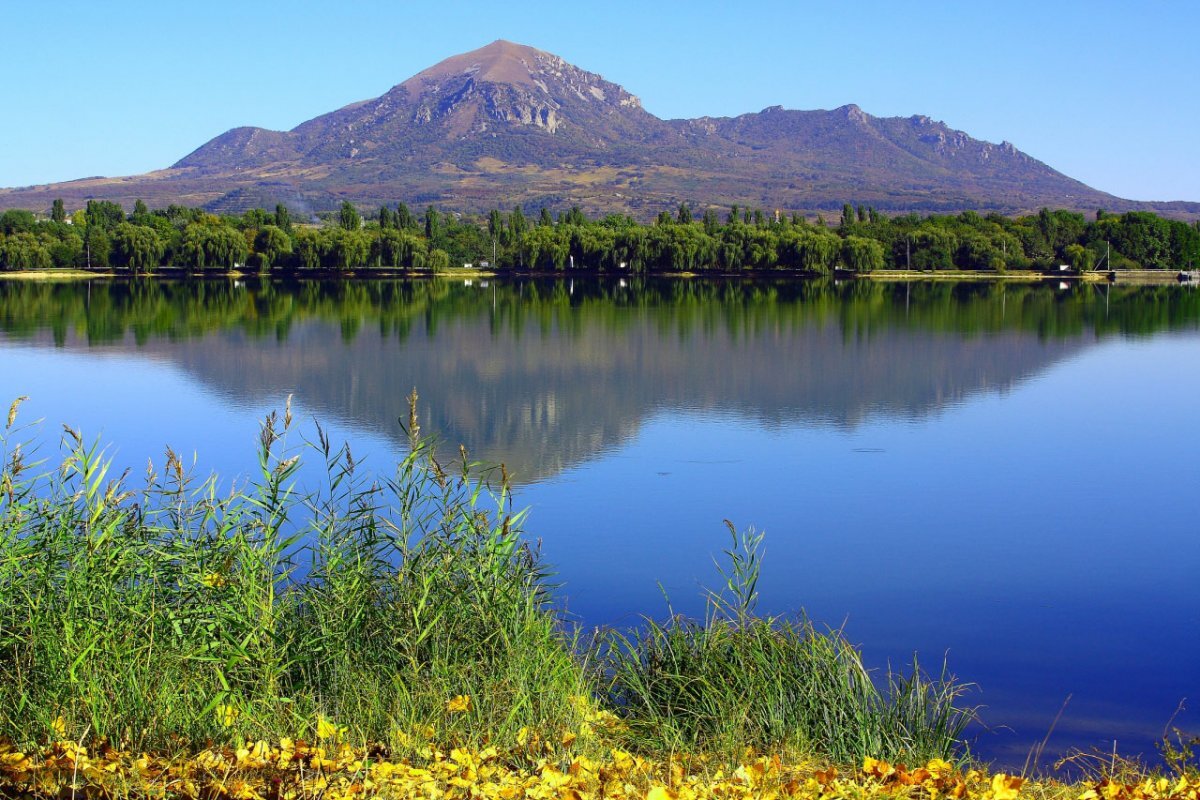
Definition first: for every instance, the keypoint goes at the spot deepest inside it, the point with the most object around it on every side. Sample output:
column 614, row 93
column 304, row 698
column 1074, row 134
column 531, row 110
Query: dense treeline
column 102, row 236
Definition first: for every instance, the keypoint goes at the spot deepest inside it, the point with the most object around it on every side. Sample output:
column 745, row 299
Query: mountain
column 508, row 124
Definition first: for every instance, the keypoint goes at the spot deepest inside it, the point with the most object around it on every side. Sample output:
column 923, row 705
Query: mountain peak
column 499, row 62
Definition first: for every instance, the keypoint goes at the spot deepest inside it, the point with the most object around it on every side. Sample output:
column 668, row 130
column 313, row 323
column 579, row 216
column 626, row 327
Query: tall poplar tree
column 348, row 217
column 433, row 226
column 283, row 218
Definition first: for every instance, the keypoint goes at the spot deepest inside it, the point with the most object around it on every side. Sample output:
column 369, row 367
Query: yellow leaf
column 459, row 704
column 59, row 726
column 227, row 714
column 1006, row 787
column 327, row 728
column 568, row 739
column 214, row 580
column 661, row 793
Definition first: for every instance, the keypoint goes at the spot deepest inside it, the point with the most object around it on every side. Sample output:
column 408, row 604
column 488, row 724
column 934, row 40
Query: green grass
column 736, row 679
column 169, row 616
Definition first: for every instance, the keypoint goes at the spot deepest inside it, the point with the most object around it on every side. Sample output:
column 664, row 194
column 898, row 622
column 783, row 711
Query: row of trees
column 103, row 236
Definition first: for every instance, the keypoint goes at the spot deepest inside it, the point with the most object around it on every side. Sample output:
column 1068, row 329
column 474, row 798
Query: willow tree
column 137, row 247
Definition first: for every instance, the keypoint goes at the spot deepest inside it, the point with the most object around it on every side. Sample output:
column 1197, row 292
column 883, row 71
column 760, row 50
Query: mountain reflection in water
column 544, row 375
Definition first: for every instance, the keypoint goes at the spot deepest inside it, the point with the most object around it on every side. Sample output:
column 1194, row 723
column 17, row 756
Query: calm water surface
column 1004, row 476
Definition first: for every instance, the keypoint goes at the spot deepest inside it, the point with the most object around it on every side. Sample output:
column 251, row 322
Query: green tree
column 811, row 249
column 96, row 247
column 206, row 245
column 255, row 218
column 347, row 249
column 57, row 212
column 386, row 220
column 685, row 214
column 438, row 260
column 137, row 247
column 433, row 226
column 283, row 218
column 385, row 248
column 104, row 214
column 309, row 249
column 272, row 246
column 517, row 222
column 547, row 248
column 1079, row 257
column 575, row 216
column 861, row 254
column 65, row 250
column 348, row 217
column 17, row 220
column 24, row 251
column 517, row 225
column 933, row 247
column 139, row 209
column 404, row 218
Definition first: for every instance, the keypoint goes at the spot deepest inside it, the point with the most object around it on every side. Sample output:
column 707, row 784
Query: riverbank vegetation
column 103, row 236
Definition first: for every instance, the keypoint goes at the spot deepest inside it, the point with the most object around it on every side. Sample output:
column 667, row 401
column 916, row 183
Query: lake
column 1004, row 476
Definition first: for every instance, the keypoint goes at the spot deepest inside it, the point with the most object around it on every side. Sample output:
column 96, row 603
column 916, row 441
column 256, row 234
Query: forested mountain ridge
column 508, row 124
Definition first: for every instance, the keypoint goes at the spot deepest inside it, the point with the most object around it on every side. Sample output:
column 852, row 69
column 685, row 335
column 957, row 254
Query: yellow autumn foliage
column 295, row 769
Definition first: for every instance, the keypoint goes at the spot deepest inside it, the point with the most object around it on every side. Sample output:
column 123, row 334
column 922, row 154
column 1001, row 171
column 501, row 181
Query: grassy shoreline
column 55, row 275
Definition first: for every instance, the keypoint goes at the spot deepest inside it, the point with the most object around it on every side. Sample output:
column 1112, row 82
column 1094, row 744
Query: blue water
column 1008, row 481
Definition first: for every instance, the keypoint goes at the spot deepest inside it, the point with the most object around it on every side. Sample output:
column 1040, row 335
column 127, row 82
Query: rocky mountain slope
column 508, row 124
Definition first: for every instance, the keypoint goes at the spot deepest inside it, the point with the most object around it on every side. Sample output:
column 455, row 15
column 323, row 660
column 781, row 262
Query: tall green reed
column 177, row 614
column 735, row 680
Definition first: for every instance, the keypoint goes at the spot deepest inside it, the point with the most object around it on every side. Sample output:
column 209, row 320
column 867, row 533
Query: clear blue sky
column 1106, row 92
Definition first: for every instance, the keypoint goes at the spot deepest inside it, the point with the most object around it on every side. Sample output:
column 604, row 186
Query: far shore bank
column 1156, row 277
